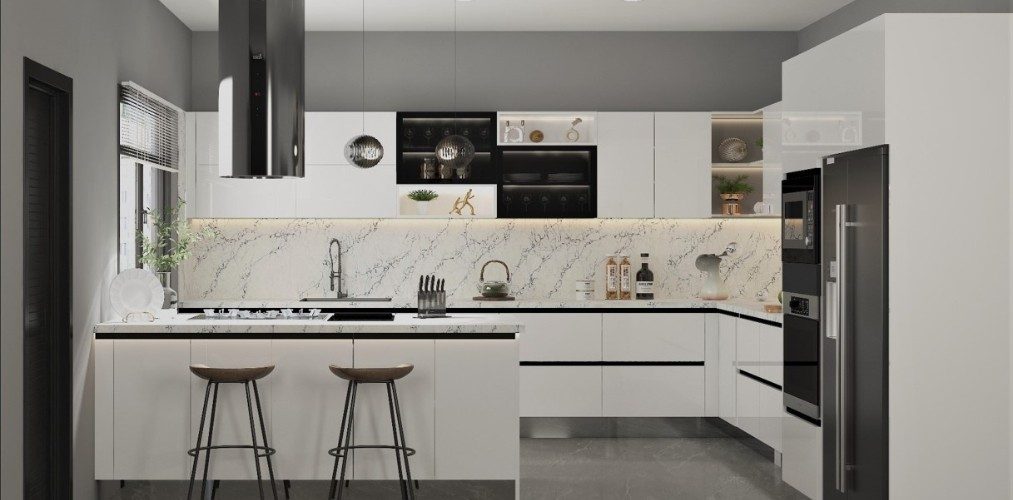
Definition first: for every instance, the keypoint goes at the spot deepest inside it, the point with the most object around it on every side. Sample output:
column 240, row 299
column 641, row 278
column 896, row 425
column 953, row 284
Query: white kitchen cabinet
column 306, row 404
column 653, row 391
column 682, row 165
column 802, row 455
column 770, row 408
column 142, row 410
column 217, row 197
column 770, row 348
column 772, row 167
column 747, row 346
column 712, row 366
column 476, row 441
column 727, row 371
column 345, row 191
column 747, row 405
column 327, row 133
column 561, row 337
column 417, row 397
column 625, row 165
column 561, row 391
column 232, row 419
column 653, row 337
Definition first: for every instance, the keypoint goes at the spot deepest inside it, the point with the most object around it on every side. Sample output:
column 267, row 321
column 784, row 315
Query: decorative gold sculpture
column 463, row 201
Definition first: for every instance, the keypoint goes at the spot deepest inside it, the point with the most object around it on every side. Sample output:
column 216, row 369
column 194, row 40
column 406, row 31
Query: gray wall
column 860, row 11
column 97, row 43
column 405, row 71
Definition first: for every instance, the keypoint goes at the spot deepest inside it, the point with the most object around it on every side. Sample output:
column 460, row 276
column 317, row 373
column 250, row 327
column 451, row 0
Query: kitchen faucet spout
column 336, row 271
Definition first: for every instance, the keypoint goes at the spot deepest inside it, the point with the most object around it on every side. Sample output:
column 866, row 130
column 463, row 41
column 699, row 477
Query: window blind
column 151, row 129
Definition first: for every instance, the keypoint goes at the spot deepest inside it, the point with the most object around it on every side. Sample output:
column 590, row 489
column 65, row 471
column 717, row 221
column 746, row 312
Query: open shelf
column 553, row 125
column 418, row 133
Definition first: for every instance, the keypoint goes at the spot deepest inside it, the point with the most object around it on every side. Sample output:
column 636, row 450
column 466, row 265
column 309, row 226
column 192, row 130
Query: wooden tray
column 493, row 299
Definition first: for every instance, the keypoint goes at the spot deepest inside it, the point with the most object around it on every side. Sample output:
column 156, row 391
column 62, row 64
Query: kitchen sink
column 346, row 299
column 361, row 316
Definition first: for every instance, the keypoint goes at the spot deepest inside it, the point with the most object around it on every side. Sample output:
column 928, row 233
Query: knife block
column 432, row 304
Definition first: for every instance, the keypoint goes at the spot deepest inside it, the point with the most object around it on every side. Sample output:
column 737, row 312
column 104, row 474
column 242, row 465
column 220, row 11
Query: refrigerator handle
column 839, row 322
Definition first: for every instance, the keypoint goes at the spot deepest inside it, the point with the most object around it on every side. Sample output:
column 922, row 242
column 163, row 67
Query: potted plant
column 732, row 191
column 422, row 197
column 168, row 246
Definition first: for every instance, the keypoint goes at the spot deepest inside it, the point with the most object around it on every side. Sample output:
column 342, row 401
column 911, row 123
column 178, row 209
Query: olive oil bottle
column 625, row 279
column 611, row 278
column 645, row 280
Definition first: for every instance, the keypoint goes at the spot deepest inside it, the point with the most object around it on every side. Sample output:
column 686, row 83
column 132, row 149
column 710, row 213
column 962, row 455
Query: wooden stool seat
column 372, row 375
column 231, row 375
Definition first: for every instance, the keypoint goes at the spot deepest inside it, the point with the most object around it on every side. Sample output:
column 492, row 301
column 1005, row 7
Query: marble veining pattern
column 286, row 259
column 402, row 323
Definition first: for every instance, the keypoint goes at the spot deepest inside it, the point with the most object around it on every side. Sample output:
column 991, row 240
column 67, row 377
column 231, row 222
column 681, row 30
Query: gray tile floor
column 648, row 468
column 560, row 469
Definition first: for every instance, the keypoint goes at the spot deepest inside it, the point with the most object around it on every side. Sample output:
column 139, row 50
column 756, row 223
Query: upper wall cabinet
column 682, row 165
column 625, row 165
column 332, row 188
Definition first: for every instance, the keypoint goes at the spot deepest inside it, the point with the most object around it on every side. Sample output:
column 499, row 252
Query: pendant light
column 455, row 151
column 364, row 150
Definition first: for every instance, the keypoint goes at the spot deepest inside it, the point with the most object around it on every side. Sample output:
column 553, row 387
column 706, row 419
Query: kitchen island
column 460, row 404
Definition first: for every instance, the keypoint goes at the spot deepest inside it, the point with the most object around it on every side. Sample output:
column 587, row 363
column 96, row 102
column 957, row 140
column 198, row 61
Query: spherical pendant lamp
column 455, row 151
column 364, row 151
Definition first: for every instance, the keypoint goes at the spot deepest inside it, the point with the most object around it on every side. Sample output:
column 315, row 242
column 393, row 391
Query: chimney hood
column 261, row 45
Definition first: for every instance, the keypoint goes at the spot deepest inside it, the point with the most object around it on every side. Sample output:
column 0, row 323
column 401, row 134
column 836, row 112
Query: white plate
column 136, row 291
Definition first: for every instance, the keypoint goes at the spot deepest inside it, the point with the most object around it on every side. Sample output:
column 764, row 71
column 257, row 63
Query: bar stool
column 216, row 377
column 386, row 376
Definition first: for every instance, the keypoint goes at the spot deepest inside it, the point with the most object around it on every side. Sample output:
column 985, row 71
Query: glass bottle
column 611, row 278
column 625, row 280
column 645, row 280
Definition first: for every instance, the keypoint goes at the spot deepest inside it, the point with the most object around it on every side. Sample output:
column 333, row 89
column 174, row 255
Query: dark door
column 855, row 361
column 47, row 259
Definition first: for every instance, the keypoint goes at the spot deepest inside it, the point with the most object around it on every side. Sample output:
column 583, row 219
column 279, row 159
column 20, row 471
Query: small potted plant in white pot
column 422, row 197
column 732, row 192
column 169, row 245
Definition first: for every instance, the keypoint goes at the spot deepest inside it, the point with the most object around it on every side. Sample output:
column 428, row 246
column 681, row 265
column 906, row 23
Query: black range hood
column 261, row 60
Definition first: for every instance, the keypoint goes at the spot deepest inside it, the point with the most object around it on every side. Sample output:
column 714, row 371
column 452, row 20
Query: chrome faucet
column 336, row 273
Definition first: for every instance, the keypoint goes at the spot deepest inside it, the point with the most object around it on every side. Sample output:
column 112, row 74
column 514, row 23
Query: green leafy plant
column 423, row 195
column 738, row 185
column 172, row 241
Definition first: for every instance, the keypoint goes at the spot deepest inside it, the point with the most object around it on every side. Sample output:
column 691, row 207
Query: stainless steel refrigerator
column 854, row 346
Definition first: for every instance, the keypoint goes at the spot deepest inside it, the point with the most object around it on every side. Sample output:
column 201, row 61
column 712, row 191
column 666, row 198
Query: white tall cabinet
column 682, row 164
column 936, row 89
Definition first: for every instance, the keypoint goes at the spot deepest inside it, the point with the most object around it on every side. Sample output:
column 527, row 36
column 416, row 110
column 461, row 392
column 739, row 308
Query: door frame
column 38, row 76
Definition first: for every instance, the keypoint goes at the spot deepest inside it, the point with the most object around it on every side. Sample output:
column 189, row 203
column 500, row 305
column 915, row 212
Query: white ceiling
column 540, row 15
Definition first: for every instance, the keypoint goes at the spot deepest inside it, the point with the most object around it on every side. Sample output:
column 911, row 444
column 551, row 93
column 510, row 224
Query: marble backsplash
column 286, row 259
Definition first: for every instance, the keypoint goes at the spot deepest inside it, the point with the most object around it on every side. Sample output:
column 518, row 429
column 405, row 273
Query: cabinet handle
column 843, row 335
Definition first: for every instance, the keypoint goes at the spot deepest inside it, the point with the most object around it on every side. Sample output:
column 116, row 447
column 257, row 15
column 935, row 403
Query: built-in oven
column 801, row 323
column 800, row 217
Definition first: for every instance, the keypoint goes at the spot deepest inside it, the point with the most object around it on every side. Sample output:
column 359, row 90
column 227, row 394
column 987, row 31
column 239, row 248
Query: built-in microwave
column 800, row 217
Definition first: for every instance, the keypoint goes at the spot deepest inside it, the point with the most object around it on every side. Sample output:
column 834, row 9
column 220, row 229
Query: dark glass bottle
column 645, row 280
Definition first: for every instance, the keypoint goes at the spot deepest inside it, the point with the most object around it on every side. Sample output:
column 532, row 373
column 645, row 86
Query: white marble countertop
column 749, row 308
column 403, row 323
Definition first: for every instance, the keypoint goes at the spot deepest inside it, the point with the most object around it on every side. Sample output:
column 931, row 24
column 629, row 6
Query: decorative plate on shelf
column 733, row 150
column 136, row 291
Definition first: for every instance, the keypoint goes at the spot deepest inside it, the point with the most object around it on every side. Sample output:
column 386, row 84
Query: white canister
column 584, row 295
column 584, row 289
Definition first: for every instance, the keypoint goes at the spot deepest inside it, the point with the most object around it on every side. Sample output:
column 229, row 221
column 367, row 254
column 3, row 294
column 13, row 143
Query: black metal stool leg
column 287, row 484
column 397, row 450
column 200, row 435
column 267, row 447
column 404, row 451
column 253, row 436
column 348, row 437
column 341, row 436
column 207, row 454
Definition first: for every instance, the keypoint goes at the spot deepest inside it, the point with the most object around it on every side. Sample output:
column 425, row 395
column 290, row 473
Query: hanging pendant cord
column 363, row 67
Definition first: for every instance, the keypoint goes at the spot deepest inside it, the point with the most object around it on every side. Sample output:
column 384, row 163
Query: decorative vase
column 422, row 207
column 171, row 299
column 713, row 286
column 732, row 203
column 446, row 171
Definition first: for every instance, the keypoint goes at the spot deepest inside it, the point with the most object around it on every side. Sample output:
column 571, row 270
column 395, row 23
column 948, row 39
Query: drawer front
column 747, row 405
column 771, row 353
column 560, row 337
column 561, row 391
column 654, row 337
column 653, row 391
column 771, row 409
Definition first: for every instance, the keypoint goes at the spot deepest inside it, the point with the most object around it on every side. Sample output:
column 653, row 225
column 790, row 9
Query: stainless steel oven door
column 802, row 340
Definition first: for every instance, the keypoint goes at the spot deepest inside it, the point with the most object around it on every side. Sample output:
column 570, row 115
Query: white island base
column 459, row 405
